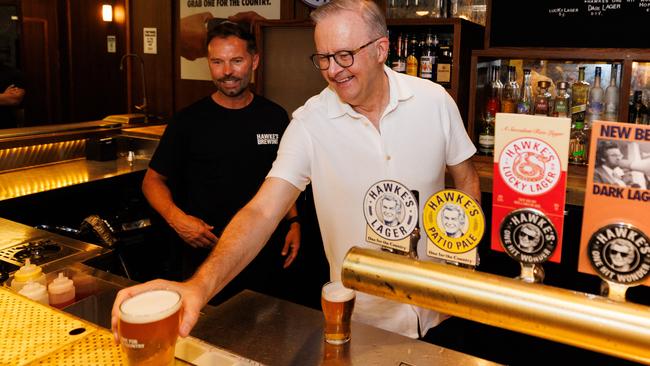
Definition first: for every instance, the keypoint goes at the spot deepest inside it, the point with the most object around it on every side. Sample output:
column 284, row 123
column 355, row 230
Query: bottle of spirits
column 486, row 136
column 399, row 62
column 638, row 111
column 611, row 96
column 510, row 92
column 428, row 58
column 579, row 94
column 562, row 101
column 494, row 92
column 411, row 56
column 543, row 99
column 525, row 102
column 578, row 143
column 443, row 65
column 596, row 99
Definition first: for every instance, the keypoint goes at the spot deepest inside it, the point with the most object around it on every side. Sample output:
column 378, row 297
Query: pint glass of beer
column 337, row 302
column 148, row 327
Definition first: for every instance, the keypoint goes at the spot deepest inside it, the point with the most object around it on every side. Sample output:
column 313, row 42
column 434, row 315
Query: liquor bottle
column 579, row 94
column 494, row 93
column 510, row 92
column 399, row 62
column 443, row 65
column 638, row 111
column 486, row 136
column 525, row 102
column 578, row 143
column 542, row 106
column 596, row 99
column 611, row 96
column 562, row 101
column 411, row 56
column 428, row 59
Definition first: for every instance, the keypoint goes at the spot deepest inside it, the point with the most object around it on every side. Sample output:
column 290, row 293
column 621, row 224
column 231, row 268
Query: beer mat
column 32, row 330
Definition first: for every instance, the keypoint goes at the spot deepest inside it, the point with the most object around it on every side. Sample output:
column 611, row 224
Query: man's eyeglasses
column 342, row 58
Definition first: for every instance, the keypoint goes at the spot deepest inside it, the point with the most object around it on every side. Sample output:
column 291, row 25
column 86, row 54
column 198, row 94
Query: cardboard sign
column 530, row 170
column 617, row 204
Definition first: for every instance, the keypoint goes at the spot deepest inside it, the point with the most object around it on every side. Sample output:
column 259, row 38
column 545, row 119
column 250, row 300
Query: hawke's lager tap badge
column 454, row 224
column 617, row 193
column 391, row 213
column 530, row 168
column 620, row 253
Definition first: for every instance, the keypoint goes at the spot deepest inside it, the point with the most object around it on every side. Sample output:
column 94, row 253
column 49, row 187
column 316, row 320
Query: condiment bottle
column 28, row 272
column 61, row 291
column 85, row 285
column 35, row 291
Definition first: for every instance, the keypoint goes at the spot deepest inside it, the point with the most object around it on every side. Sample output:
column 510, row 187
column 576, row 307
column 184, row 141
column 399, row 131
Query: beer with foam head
column 148, row 327
column 337, row 302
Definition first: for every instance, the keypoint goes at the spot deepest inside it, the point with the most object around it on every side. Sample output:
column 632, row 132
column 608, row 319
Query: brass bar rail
column 578, row 319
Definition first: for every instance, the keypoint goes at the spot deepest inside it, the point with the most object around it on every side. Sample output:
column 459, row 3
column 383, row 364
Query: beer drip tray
column 199, row 353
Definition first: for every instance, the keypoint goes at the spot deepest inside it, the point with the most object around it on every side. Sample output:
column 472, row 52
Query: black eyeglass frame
column 320, row 56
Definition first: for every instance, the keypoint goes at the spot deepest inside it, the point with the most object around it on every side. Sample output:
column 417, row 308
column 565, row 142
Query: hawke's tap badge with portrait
column 528, row 237
column 617, row 203
column 391, row 212
column 620, row 255
column 454, row 223
column 530, row 170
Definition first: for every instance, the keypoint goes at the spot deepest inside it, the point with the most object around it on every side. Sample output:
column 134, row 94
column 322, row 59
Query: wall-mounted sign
column 194, row 16
column 111, row 44
column 150, row 40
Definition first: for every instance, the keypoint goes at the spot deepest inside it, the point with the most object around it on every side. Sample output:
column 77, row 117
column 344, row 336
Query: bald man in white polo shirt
column 369, row 124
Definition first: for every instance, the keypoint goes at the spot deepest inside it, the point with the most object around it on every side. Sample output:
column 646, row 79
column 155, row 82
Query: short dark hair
column 223, row 28
column 603, row 147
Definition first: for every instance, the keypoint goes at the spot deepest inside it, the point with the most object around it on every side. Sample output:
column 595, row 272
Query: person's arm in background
column 241, row 241
column 292, row 240
column 12, row 96
column 192, row 230
column 466, row 179
column 193, row 33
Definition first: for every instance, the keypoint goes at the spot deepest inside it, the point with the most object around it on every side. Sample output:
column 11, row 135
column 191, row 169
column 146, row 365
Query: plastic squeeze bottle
column 61, row 291
column 35, row 291
column 28, row 272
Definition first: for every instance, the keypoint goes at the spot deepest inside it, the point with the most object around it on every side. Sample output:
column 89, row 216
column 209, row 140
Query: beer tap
column 144, row 107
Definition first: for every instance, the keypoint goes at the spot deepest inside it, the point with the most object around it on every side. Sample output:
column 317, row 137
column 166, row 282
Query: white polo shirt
column 342, row 154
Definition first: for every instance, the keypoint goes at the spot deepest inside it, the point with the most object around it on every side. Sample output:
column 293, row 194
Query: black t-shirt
column 216, row 158
column 9, row 76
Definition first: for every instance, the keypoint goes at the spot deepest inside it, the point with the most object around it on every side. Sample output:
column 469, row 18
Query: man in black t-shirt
column 11, row 95
column 213, row 157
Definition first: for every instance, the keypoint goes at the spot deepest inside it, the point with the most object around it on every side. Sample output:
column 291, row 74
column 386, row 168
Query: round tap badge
column 620, row 253
column 528, row 236
column 530, row 166
column 454, row 221
column 391, row 210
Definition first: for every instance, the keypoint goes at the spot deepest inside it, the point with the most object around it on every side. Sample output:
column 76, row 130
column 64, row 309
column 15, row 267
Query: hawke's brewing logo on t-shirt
column 391, row 213
column 620, row 253
column 529, row 166
column 268, row 138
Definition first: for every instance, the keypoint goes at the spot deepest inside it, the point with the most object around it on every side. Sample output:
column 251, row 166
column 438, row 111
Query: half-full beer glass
column 148, row 327
column 337, row 302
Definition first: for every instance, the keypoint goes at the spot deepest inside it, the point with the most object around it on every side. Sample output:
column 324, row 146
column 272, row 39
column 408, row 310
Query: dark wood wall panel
column 97, row 86
column 41, row 62
column 159, row 68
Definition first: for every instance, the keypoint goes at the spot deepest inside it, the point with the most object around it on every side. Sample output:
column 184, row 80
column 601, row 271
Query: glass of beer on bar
column 148, row 327
column 337, row 302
